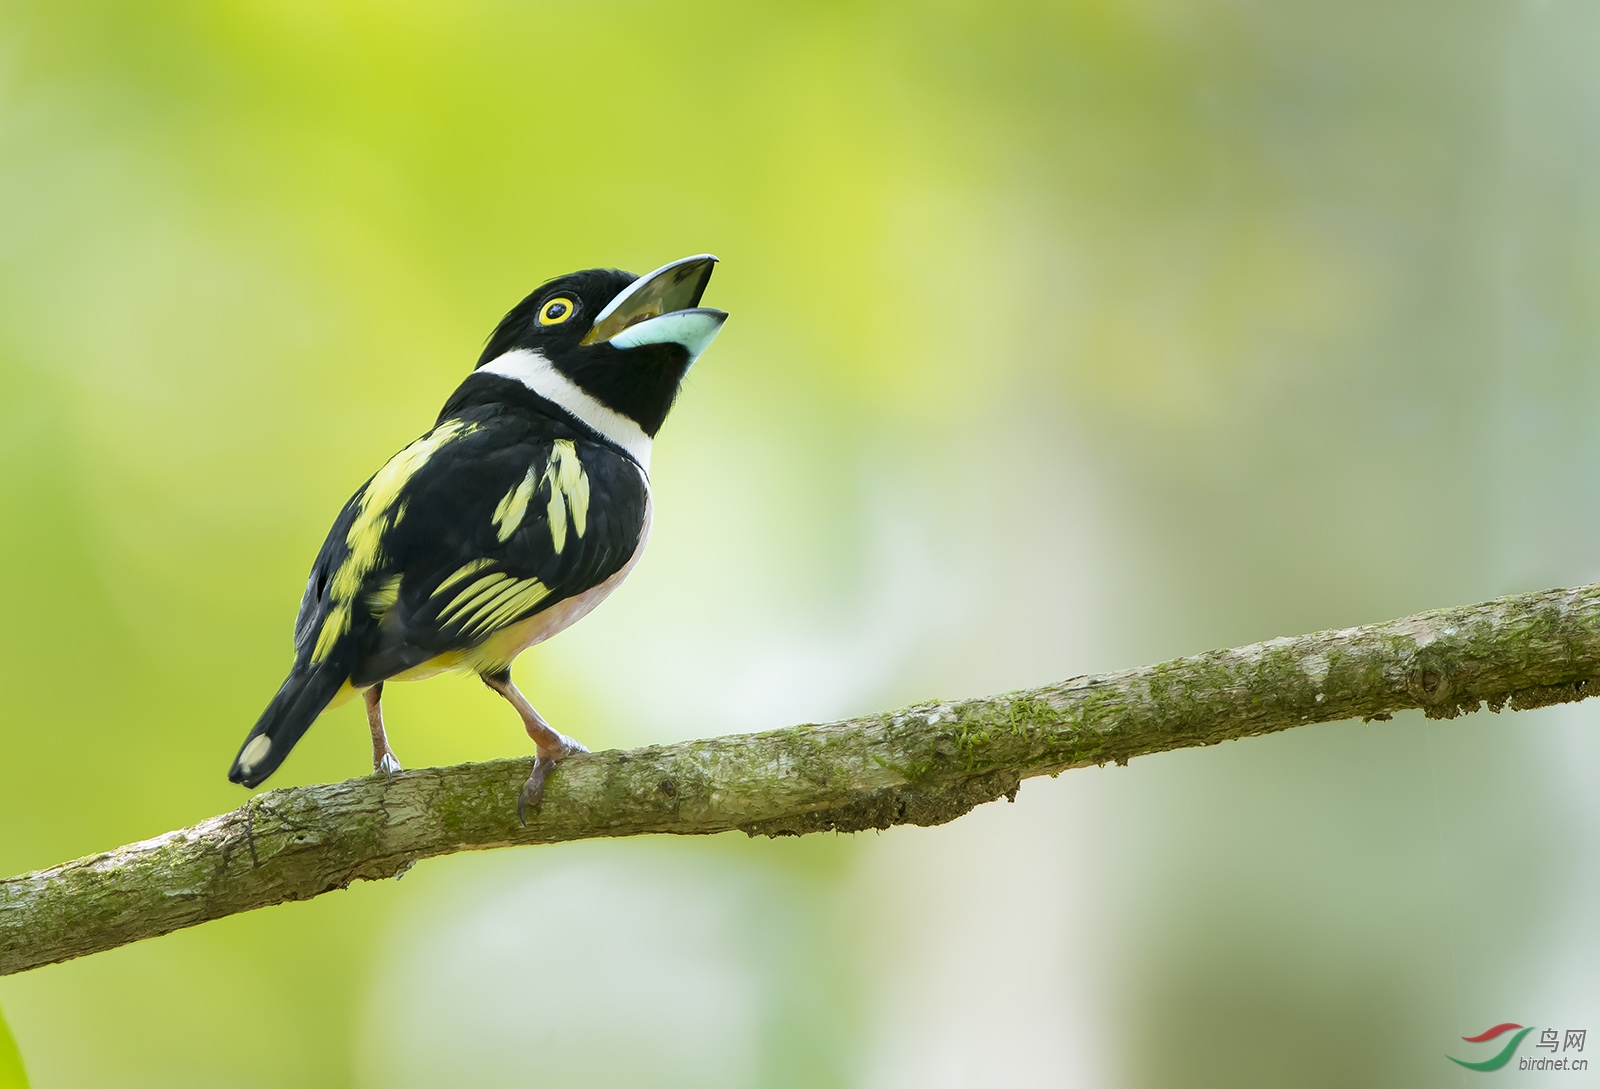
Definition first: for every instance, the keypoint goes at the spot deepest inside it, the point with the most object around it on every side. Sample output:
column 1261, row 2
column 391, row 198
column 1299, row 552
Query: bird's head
column 624, row 340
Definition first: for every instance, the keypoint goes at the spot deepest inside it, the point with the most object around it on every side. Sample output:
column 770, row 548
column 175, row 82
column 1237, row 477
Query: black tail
column 287, row 717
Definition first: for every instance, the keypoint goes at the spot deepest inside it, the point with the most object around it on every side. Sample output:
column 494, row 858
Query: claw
column 533, row 790
column 387, row 765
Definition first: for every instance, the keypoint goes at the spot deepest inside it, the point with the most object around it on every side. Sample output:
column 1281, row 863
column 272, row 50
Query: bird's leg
column 551, row 746
column 383, row 759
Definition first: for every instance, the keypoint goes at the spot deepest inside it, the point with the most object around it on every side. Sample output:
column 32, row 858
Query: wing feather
column 497, row 525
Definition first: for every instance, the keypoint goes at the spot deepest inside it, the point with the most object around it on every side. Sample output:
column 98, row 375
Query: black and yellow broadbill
column 525, row 505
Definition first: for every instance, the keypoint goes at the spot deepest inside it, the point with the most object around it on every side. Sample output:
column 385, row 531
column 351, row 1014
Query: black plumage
column 513, row 516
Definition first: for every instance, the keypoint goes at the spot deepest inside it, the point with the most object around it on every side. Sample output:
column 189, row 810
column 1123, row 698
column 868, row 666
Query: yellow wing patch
column 381, row 598
column 472, row 567
column 508, row 514
column 376, row 514
column 569, row 491
column 491, row 602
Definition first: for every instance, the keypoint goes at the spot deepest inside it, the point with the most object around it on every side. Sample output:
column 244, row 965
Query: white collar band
column 540, row 375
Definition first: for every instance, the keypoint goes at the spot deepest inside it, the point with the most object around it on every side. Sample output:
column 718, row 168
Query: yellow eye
column 556, row 311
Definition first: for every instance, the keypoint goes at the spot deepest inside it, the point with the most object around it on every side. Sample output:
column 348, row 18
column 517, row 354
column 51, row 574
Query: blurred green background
column 1066, row 336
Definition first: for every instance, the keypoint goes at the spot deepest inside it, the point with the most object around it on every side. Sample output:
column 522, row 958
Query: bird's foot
column 386, row 764
column 533, row 790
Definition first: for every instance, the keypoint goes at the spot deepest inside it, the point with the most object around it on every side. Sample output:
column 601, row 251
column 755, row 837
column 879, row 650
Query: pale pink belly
column 567, row 612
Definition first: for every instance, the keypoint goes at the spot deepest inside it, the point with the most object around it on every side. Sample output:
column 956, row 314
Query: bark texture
column 925, row 765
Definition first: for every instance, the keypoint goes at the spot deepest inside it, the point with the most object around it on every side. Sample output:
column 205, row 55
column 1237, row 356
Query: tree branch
column 924, row 765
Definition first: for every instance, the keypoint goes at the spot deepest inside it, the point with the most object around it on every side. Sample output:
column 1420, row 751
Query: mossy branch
column 923, row 765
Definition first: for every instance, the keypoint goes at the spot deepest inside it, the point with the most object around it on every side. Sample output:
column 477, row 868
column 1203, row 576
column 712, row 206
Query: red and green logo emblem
column 1496, row 1062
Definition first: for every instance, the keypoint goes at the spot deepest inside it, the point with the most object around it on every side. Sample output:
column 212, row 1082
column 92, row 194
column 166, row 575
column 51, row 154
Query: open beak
column 662, row 307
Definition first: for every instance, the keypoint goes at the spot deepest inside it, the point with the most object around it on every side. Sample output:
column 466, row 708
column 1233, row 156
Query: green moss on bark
column 925, row 765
